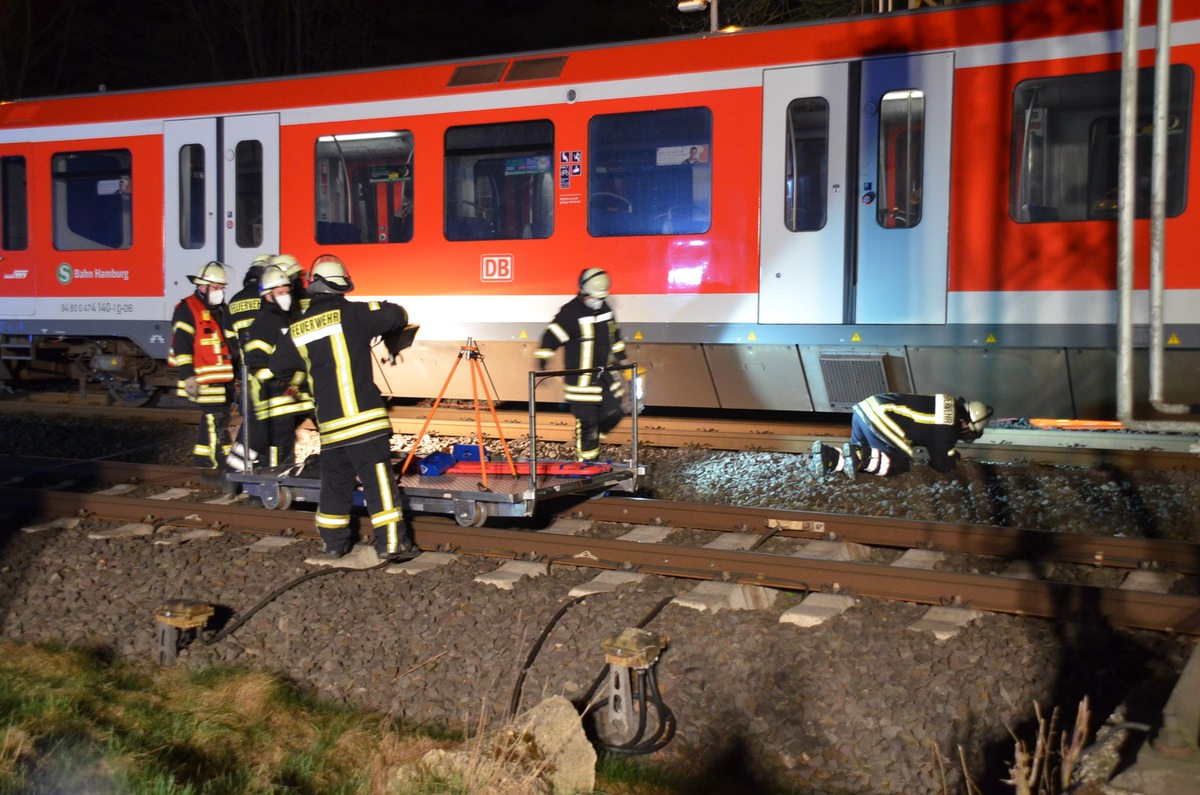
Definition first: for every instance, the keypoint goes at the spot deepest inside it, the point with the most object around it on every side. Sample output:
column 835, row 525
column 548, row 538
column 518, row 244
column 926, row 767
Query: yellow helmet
column 212, row 273
column 273, row 276
column 288, row 264
column 980, row 415
column 329, row 274
column 594, row 283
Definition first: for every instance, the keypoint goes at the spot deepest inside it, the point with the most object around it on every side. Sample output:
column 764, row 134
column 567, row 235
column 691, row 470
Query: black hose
column 515, row 702
column 273, row 595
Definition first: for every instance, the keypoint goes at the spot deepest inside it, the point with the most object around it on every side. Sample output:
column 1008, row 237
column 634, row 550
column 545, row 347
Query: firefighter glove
column 192, row 387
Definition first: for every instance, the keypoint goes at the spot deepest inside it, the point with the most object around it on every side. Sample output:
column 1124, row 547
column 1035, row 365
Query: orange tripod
column 474, row 358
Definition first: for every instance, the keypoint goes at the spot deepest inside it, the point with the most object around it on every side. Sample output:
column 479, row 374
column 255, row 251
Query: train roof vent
column 536, row 69
column 849, row 379
column 478, row 74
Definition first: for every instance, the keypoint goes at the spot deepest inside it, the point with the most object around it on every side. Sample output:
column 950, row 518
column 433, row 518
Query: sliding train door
column 903, row 189
column 803, row 272
column 250, row 188
column 190, row 214
column 222, row 195
column 855, row 192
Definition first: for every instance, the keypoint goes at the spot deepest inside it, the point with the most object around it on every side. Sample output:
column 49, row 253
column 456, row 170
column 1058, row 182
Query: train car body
column 794, row 217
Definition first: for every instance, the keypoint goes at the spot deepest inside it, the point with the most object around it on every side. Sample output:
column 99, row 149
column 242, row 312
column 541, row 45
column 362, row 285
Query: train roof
column 854, row 37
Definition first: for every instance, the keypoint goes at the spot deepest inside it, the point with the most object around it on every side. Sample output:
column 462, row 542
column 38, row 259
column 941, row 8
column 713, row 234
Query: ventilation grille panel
column 849, row 379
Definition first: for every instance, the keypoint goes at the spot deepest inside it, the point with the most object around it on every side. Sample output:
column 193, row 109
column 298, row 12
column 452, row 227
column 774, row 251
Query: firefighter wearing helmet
column 295, row 273
column 244, row 304
column 331, row 344
column 203, row 352
column 885, row 430
column 587, row 331
column 276, row 406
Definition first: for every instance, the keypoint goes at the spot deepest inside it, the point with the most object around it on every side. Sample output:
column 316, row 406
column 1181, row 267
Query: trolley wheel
column 280, row 498
column 469, row 513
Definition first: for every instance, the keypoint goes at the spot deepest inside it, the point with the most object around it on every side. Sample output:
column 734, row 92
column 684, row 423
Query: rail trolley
column 794, row 217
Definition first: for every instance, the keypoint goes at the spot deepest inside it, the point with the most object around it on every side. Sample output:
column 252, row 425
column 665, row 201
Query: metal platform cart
column 465, row 483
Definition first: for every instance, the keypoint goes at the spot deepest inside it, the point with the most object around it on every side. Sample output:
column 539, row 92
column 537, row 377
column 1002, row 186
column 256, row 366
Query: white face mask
column 593, row 303
column 216, row 297
column 284, row 302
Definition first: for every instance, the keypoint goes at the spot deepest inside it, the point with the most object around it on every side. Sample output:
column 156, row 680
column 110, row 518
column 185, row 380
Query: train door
column 250, row 189
column 903, row 189
column 191, row 233
column 803, row 271
column 18, row 274
column 855, row 206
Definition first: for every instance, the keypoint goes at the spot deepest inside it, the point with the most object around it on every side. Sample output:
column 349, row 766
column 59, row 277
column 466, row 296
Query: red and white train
column 794, row 217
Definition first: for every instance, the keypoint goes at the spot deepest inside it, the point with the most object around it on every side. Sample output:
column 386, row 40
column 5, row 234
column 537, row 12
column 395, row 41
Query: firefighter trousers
column 370, row 462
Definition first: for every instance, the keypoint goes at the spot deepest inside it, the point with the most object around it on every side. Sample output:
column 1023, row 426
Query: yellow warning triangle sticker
column 637, row 335
column 991, row 337
column 524, row 336
column 856, row 338
column 1173, row 340
column 752, row 337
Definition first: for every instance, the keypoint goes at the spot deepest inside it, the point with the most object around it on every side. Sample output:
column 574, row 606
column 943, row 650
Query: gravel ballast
column 860, row 704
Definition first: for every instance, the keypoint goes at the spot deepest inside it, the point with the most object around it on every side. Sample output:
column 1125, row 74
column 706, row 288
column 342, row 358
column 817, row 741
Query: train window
column 1066, row 139
column 191, row 196
column 14, row 212
column 248, row 194
column 500, row 181
column 901, row 159
column 364, row 188
column 806, row 167
column 650, row 173
column 93, row 193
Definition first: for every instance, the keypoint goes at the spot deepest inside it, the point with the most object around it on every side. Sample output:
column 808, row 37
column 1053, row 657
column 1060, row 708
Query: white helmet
column 288, row 264
column 594, row 283
column 212, row 273
column 980, row 415
column 329, row 275
column 273, row 276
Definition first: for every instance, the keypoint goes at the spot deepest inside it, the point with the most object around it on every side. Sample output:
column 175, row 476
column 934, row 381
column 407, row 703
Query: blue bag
column 436, row 464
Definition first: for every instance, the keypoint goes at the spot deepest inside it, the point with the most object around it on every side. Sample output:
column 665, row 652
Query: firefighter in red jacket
column 586, row 328
column 331, row 343
column 203, row 350
column 886, row 429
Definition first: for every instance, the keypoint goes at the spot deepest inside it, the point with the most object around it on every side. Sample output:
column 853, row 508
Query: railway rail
column 772, row 554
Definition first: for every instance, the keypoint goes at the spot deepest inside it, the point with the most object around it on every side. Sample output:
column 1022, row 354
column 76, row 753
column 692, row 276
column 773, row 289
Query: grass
column 73, row 721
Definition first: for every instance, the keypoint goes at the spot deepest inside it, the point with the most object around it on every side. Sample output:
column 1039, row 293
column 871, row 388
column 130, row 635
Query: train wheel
column 131, row 397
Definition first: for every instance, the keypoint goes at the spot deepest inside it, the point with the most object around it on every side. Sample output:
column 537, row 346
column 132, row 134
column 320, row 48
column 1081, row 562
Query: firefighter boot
column 851, row 460
column 825, row 459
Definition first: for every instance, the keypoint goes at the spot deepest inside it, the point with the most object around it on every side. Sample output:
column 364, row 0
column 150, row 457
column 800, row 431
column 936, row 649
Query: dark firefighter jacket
column 269, row 394
column 243, row 308
column 590, row 339
column 908, row 421
column 331, row 342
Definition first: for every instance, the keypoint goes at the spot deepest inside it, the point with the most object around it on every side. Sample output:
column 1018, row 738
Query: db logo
column 496, row 267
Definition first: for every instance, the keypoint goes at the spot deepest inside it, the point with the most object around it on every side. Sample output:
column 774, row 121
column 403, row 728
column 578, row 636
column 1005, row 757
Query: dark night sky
column 73, row 46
